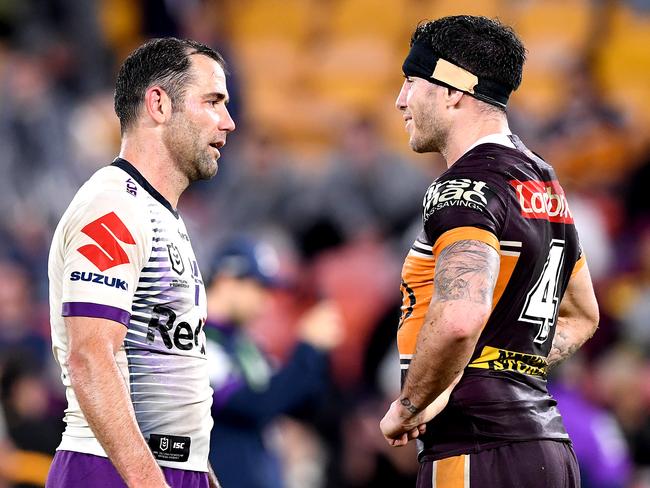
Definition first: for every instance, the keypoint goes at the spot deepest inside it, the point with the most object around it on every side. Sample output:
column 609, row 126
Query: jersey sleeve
column 463, row 206
column 105, row 244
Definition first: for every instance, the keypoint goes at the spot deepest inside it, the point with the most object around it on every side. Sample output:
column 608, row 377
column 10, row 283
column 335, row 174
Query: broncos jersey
column 121, row 252
column 502, row 194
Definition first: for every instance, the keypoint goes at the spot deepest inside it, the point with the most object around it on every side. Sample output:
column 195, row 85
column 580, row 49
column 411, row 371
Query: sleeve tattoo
column 466, row 270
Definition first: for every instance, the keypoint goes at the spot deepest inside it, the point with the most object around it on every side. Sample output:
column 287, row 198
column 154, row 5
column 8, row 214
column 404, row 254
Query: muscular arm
column 465, row 275
column 104, row 398
column 577, row 319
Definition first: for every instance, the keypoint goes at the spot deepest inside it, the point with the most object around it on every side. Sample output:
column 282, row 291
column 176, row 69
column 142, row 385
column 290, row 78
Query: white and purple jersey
column 121, row 252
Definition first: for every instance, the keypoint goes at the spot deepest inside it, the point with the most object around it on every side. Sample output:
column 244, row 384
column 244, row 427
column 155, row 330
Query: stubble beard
column 193, row 158
column 428, row 136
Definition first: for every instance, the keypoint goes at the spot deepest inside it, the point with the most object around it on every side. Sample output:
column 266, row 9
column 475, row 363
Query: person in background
column 248, row 394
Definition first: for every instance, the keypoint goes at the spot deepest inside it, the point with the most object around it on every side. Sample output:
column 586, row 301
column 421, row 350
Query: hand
column 400, row 426
column 322, row 326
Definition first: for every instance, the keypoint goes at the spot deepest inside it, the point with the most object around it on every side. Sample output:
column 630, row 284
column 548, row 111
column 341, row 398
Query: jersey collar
column 124, row 165
column 503, row 139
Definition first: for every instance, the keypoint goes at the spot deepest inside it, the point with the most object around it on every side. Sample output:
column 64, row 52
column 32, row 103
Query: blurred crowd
column 334, row 189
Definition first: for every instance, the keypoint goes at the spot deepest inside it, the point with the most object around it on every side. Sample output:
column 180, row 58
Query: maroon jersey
column 510, row 199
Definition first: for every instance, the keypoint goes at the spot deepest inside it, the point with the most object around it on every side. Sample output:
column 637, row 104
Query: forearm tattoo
column 409, row 406
column 563, row 345
column 466, row 270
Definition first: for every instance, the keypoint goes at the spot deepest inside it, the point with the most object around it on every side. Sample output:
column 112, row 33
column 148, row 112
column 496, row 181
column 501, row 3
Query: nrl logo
column 175, row 259
column 164, row 443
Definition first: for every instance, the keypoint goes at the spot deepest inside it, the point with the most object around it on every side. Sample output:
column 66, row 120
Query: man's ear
column 157, row 104
column 453, row 97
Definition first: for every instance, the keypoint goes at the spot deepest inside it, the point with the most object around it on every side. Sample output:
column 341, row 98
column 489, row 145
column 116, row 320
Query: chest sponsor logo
column 99, row 278
column 175, row 259
column 107, row 232
column 542, row 200
column 463, row 192
column 180, row 335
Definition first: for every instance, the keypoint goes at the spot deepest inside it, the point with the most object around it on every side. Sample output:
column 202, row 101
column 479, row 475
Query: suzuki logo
column 106, row 231
column 164, row 443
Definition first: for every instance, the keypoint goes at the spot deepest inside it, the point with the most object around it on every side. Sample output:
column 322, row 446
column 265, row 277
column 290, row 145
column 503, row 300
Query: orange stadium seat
column 556, row 34
column 624, row 65
column 263, row 19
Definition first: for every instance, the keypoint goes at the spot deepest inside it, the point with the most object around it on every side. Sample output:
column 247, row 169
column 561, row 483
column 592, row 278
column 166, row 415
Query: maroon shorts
column 530, row 464
column 78, row 470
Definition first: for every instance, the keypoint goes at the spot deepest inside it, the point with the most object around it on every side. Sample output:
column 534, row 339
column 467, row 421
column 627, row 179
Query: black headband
column 422, row 62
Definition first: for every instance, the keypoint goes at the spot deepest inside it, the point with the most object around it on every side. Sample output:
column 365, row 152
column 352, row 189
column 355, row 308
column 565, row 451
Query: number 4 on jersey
column 542, row 300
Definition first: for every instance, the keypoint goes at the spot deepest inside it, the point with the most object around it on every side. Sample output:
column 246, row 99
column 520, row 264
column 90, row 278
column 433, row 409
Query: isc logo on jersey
column 456, row 193
column 542, row 200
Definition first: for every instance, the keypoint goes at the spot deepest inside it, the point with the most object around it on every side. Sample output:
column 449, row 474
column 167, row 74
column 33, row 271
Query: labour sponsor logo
column 467, row 193
column 542, row 200
column 107, row 232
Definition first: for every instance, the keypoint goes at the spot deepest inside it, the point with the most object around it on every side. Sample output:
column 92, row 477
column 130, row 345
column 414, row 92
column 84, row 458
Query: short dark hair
column 163, row 62
column 483, row 46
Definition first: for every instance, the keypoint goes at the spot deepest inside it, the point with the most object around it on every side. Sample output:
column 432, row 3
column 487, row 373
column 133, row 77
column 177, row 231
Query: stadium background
column 320, row 166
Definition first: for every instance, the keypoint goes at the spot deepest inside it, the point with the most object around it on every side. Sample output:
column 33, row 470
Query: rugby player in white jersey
column 127, row 301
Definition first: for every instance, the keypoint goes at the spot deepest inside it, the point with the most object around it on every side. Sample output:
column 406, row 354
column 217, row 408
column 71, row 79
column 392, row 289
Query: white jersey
column 121, row 252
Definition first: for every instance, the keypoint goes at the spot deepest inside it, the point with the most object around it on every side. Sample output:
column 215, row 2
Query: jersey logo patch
column 456, row 193
column 175, row 259
column 106, row 231
column 542, row 200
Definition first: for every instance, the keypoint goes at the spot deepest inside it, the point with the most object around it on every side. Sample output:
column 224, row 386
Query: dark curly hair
column 483, row 46
column 164, row 62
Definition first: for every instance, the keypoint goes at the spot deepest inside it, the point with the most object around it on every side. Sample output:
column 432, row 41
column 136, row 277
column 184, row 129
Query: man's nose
column 400, row 103
column 227, row 124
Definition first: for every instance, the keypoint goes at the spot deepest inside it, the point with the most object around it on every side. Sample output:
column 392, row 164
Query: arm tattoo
column 563, row 345
column 466, row 270
column 409, row 406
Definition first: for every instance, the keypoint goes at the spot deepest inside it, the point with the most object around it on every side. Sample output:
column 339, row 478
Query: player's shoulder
column 108, row 194
column 111, row 185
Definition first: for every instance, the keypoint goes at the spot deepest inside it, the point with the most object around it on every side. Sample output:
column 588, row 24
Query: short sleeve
column 105, row 245
column 458, row 207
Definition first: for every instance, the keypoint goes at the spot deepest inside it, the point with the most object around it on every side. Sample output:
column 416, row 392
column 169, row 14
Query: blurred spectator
column 628, row 299
column 20, row 324
column 25, row 401
column 248, row 395
column 598, row 441
column 620, row 384
column 587, row 141
column 369, row 188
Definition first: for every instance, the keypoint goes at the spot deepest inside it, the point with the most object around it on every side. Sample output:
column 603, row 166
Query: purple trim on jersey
column 79, row 470
column 95, row 310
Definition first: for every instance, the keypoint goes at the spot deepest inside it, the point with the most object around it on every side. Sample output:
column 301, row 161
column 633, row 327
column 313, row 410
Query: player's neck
column 155, row 164
column 468, row 132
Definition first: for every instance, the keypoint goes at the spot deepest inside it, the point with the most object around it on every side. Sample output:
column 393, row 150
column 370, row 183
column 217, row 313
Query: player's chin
column 421, row 146
column 208, row 169
column 417, row 147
